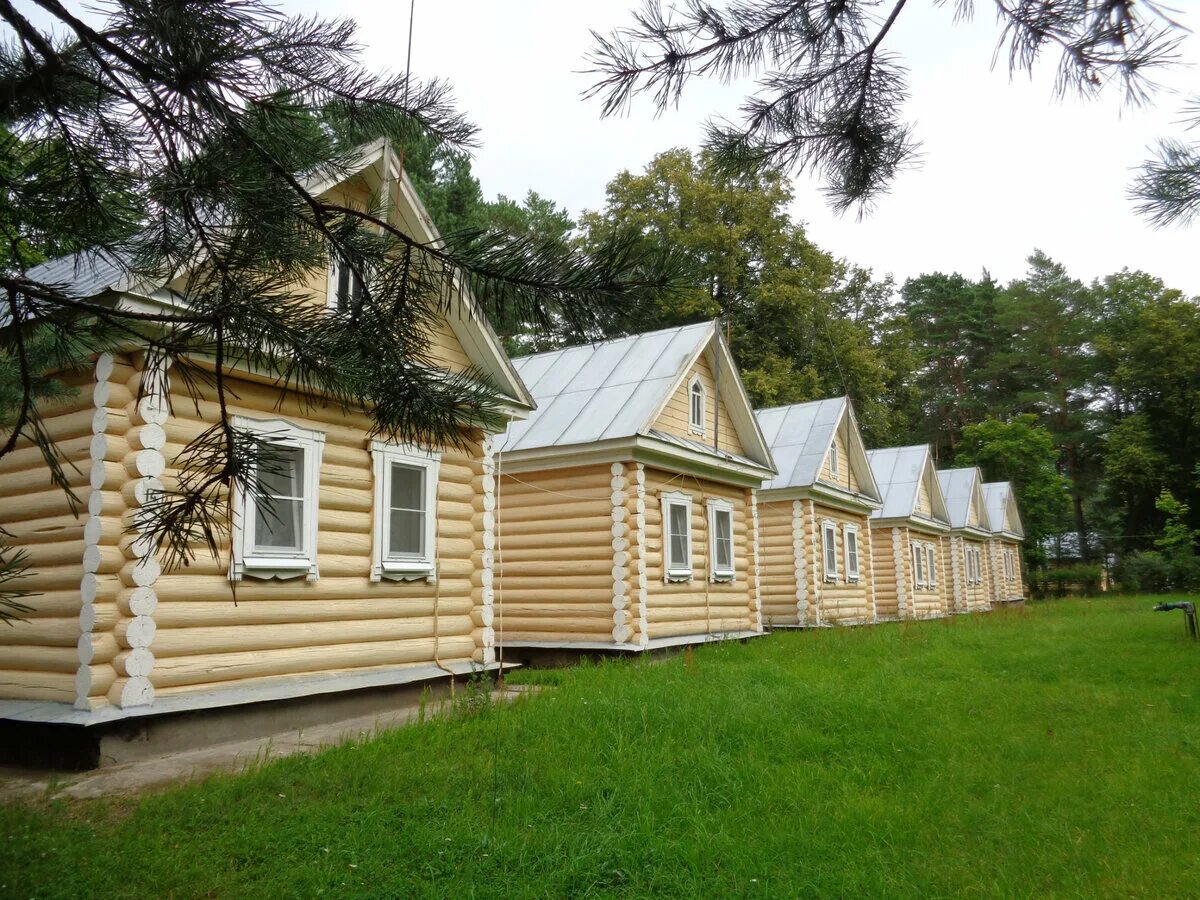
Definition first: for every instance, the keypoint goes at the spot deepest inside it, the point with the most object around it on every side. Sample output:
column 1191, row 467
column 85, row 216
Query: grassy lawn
column 1051, row 752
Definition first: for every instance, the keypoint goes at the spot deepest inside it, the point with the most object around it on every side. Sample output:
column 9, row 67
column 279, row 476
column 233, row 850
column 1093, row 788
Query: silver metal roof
column 799, row 437
column 958, row 487
column 898, row 472
column 602, row 391
column 997, row 495
column 699, row 447
column 81, row 275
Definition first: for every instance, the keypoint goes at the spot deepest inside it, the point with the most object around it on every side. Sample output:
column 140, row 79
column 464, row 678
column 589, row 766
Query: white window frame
column 716, row 506
column 673, row 571
column 335, row 267
column 695, row 427
column 918, row 561
column 829, row 540
column 402, row 567
column 853, row 572
column 930, row 566
column 834, row 468
column 245, row 559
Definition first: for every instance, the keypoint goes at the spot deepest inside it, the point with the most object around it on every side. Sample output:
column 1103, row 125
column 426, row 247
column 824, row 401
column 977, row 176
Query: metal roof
column 699, row 447
column 959, row 487
column 81, row 275
column 998, row 499
column 601, row 391
column 898, row 472
column 799, row 437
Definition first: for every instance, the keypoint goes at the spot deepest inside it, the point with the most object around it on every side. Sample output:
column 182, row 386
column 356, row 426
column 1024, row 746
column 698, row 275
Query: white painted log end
column 137, row 691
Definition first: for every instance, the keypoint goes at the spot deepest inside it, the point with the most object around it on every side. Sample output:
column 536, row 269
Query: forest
column 1085, row 395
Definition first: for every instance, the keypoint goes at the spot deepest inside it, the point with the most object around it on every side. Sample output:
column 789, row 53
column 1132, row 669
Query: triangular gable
column 1001, row 502
column 91, row 274
column 963, row 490
column 714, row 360
column 800, row 437
column 618, row 389
column 904, row 475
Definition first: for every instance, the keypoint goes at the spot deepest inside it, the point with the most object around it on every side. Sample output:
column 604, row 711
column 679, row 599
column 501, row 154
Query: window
column 720, row 530
column 850, row 539
column 677, row 535
column 697, row 403
column 345, row 287
column 833, row 459
column 404, row 538
column 275, row 523
column 930, row 566
column 969, row 560
column 829, row 548
column 918, row 556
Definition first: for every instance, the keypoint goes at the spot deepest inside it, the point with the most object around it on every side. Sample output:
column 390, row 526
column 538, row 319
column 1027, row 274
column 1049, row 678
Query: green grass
column 1051, row 752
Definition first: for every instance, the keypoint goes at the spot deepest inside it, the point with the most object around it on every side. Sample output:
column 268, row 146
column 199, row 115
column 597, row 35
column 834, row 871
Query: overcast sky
column 1006, row 167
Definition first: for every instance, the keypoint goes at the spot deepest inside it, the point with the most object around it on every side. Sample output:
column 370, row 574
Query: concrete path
column 131, row 777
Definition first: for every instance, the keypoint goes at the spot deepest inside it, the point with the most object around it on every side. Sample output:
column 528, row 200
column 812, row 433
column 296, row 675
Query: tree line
column 1085, row 395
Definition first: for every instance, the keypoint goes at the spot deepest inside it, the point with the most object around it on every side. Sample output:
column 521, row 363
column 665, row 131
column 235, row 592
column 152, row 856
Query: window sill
column 831, row 579
column 413, row 570
column 723, row 576
column 679, row 576
column 283, row 568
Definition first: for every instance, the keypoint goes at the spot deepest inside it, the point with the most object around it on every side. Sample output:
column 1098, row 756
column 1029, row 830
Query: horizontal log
column 596, row 547
column 220, row 667
column 40, row 632
column 698, row 627
column 558, row 511
column 40, row 659
column 598, row 522
column 594, row 480
column 22, row 684
column 557, row 637
column 190, row 614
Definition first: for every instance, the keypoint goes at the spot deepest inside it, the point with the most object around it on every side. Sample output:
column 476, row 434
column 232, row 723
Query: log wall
column 210, row 633
column 700, row 606
column 61, row 650
column 977, row 596
column 785, row 584
column 841, row 602
column 555, row 565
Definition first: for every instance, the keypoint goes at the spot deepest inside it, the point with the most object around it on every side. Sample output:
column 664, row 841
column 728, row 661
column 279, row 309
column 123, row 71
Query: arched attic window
column 697, row 405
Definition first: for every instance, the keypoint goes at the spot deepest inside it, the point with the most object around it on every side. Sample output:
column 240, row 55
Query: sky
column 1005, row 168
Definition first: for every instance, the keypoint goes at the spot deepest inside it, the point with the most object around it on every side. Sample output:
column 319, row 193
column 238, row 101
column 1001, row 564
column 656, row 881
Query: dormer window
column 833, row 460
column 345, row 287
column 697, row 406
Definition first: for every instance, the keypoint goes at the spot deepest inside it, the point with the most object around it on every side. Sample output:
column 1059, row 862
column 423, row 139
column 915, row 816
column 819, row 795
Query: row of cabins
column 635, row 501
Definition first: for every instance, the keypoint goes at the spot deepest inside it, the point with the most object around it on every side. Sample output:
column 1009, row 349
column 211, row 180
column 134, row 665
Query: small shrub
column 1147, row 571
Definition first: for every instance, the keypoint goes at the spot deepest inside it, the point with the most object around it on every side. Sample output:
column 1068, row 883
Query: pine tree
column 176, row 140
column 829, row 94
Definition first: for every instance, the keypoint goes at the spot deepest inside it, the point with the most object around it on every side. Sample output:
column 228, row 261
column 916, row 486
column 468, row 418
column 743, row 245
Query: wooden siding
column 891, row 574
column 847, row 478
column 977, row 596
column 675, row 419
column 839, row 602
column 556, row 554
column 928, row 601
column 924, row 503
column 699, row 606
column 42, row 655
column 784, row 581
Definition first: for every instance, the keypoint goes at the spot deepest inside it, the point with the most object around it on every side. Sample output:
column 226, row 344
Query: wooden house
column 627, row 516
column 814, row 517
column 909, row 536
column 970, row 537
column 1005, row 546
column 331, row 597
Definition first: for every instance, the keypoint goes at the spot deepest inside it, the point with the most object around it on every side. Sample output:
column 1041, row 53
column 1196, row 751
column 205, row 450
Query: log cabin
column 1008, row 534
column 909, row 531
column 970, row 535
column 627, row 506
column 336, row 595
column 815, row 517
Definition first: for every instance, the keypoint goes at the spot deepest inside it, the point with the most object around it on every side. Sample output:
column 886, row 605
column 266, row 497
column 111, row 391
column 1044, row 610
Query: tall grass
column 1050, row 752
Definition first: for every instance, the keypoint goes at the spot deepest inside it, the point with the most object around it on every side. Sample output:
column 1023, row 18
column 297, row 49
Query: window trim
column 715, row 506
column 244, row 561
column 331, row 295
column 930, row 566
column 917, row 552
column 834, row 463
column 383, row 456
column 695, row 427
column 853, row 573
column 829, row 539
column 667, row 499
